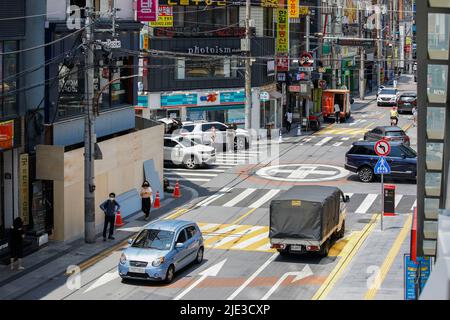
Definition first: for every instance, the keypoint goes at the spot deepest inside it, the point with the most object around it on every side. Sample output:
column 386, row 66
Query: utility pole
column 333, row 47
column 361, row 52
column 89, row 130
column 378, row 25
column 248, row 70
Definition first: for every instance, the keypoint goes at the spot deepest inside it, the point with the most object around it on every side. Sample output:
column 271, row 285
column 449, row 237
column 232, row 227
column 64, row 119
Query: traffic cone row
column 157, row 203
column 176, row 191
column 119, row 221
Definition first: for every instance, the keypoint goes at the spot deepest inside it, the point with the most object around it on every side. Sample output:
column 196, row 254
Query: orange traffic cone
column 176, row 191
column 157, row 204
column 119, row 221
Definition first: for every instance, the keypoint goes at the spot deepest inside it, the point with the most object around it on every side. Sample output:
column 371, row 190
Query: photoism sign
column 416, row 275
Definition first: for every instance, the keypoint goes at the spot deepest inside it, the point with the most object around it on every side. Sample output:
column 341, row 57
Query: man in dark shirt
column 110, row 207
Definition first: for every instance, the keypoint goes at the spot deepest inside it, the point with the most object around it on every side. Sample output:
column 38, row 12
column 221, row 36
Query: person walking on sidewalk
column 16, row 243
column 146, row 196
column 110, row 207
column 414, row 112
column 337, row 111
column 288, row 120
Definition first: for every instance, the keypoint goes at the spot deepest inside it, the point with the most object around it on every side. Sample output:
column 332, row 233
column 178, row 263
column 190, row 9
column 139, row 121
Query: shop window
column 437, row 83
column 193, row 68
column 8, row 78
column 434, row 155
column 268, row 22
column 435, row 123
column 71, row 89
column 433, row 183
column 439, row 3
column 431, row 208
column 438, row 36
column 210, row 18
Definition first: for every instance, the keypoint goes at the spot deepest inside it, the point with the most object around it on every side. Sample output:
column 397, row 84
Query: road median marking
column 347, row 253
column 388, row 262
column 245, row 215
column 407, row 127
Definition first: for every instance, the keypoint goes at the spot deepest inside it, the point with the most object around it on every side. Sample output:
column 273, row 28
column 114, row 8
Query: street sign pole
column 382, row 200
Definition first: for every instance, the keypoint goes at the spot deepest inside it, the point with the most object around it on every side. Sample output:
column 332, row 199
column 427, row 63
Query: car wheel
column 365, row 174
column 325, row 249
column 170, row 274
column 190, row 163
column 199, row 258
column 340, row 233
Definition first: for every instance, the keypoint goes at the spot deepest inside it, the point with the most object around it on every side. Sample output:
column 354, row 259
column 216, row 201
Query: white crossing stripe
column 398, row 198
column 368, row 201
column 323, row 141
column 207, row 226
column 345, row 138
column 183, row 179
column 210, row 199
column 194, row 174
column 414, row 205
column 220, row 231
column 230, row 238
column 249, row 242
column 269, row 195
column 189, row 170
column 240, row 197
column 337, row 144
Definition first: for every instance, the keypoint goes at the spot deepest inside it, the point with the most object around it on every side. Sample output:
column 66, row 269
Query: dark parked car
column 406, row 101
column 389, row 133
column 361, row 159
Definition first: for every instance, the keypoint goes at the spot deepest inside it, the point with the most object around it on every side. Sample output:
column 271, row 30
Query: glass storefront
column 224, row 114
column 8, row 79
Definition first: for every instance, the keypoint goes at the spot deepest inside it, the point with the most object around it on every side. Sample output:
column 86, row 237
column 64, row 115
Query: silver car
column 183, row 151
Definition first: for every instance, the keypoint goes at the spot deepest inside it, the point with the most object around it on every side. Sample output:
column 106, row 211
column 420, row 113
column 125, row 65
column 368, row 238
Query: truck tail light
column 278, row 246
column 312, row 248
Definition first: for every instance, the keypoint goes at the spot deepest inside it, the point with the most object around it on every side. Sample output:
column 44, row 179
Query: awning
column 275, row 95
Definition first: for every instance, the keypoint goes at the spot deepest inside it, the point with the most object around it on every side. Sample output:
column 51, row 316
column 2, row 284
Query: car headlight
column 123, row 258
column 158, row 262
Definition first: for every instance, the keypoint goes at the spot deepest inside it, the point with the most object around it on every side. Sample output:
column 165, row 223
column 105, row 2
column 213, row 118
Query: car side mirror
column 130, row 241
column 179, row 245
column 347, row 198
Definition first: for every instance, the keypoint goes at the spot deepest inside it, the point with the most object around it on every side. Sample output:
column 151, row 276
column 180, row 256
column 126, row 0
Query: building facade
column 433, row 25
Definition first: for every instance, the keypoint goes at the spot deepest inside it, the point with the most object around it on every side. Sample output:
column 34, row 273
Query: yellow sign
column 165, row 17
column 408, row 41
column 303, row 11
column 296, row 203
column 282, row 41
column 24, row 188
column 293, row 8
column 145, row 42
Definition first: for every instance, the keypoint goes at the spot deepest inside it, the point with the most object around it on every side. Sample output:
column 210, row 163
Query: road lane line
column 262, row 240
column 196, row 170
column 252, row 239
column 345, row 138
column 269, row 195
column 240, row 197
column 252, row 277
column 176, row 214
column 348, row 253
column 223, row 243
column 398, row 198
column 323, row 141
column 245, row 215
column 214, row 197
column 337, row 144
column 194, row 174
column 368, row 201
column 414, row 205
column 388, row 262
column 204, row 227
column 188, row 179
column 222, row 234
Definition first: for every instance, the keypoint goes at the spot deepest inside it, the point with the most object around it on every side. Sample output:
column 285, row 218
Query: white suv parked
column 201, row 133
column 181, row 150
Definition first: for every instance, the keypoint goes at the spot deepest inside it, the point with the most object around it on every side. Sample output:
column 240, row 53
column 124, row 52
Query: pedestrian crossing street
column 224, row 161
column 316, row 140
column 251, row 238
column 260, row 198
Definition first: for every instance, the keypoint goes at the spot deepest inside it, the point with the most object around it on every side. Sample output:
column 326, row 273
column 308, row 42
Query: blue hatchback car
column 361, row 159
column 160, row 249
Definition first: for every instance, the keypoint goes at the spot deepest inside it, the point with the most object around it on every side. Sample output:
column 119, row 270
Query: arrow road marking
column 107, row 277
column 252, row 277
column 306, row 272
column 210, row 272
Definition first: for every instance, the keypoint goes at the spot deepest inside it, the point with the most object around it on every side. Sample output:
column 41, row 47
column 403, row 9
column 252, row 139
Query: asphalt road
column 232, row 211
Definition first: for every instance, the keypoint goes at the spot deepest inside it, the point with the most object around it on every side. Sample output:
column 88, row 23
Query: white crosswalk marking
column 194, row 174
column 337, row 144
column 398, row 198
column 365, row 205
column 240, row 197
column 345, row 138
column 251, row 241
column 414, row 205
column 269, row 195
column 184, row 179
column 230, row 238
column 214, row 197
column 323, row 141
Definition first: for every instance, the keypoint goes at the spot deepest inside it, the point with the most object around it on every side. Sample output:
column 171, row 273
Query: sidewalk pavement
column 53, row 259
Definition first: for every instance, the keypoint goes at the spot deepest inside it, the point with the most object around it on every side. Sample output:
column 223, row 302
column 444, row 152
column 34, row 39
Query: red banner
column 282, row 63
column 6, row 135
column 147, row 10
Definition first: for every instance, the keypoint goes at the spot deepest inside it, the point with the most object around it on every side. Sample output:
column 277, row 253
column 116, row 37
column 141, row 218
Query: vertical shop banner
column 147, row 10
column 282, row 41
column 293, row 6
column 165, row 17
column 7, row 135
column 24, row 188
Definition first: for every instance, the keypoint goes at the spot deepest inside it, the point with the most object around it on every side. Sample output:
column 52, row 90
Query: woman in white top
column 146, row 196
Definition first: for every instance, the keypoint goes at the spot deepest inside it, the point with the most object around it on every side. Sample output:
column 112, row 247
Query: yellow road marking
column 243, row 216
column 348, row 253
column 176, row 214
column 407, row 127
column 211, row 240
column 387, row 264
column 247, row 237
column 337, row 249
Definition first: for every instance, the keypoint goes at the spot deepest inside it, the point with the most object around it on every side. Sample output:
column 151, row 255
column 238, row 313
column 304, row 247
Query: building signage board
column 270, row 68
column 282, row 40
column 147, row 10
column 173, row 100
column 24, row 188
column 293, row 6
column 264, row 96
column 219, row 3
column 165, row 17
column 230, row 97
column 282, row 63
column 208, row 99
column 6, row 135
column 303, row 10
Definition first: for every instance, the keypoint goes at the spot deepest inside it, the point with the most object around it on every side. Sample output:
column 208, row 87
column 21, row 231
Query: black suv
column 361, row 158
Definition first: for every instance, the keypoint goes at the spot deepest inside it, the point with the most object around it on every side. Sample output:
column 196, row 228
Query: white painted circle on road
column 302, row 172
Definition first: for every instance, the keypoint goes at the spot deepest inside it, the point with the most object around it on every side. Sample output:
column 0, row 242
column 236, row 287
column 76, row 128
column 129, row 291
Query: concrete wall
column 120, row 171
